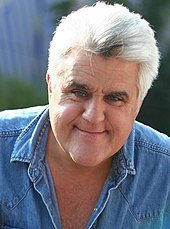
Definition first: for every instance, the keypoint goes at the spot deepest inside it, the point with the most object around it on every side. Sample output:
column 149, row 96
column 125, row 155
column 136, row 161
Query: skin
column 93, row 105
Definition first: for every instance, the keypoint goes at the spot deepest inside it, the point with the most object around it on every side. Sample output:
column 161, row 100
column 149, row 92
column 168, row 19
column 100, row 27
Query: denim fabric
column 136, row 194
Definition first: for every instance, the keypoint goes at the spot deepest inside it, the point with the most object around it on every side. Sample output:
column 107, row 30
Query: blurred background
column 26, row 29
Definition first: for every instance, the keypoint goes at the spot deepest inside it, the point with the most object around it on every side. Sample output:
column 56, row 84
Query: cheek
column 122, row 120
column 65, row 113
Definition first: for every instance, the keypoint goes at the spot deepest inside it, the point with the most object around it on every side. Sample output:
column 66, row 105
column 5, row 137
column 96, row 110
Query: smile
column 91, row 132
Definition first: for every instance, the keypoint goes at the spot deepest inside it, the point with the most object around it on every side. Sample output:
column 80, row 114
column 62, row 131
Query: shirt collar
column 30, row 138
column 128, row 152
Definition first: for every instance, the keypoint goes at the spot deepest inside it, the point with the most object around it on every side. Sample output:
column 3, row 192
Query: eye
column 79, row 93
column 115, row 99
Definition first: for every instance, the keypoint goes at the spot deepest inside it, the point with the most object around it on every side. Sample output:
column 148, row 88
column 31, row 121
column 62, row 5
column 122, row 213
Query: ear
column 49, row 83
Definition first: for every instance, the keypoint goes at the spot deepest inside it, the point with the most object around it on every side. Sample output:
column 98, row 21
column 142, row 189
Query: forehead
column 86, row 67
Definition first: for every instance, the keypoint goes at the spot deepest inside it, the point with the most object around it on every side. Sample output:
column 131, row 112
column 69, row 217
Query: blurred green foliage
column 16, row 93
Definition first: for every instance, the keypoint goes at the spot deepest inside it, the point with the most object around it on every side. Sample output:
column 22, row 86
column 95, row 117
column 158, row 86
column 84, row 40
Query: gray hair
column 108, row 30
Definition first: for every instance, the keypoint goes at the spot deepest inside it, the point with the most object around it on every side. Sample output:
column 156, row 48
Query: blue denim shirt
column 136, row 194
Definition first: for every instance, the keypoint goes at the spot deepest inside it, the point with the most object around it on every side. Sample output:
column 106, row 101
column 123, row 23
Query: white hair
column 108, row 30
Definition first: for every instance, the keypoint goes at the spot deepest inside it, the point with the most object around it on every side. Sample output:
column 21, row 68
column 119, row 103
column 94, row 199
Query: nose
column 94, row 110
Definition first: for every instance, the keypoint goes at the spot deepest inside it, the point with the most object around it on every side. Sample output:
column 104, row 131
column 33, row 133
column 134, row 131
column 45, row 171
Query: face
column 93, row 106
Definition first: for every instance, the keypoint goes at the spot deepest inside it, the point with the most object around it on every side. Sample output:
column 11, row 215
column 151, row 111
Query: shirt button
column 36, row 172
column 95, row 209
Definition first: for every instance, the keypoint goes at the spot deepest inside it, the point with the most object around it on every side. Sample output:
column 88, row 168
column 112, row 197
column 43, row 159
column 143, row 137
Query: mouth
column 92, row 132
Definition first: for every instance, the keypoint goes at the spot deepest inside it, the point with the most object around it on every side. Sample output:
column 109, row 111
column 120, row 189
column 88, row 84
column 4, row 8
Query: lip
column 92, row 132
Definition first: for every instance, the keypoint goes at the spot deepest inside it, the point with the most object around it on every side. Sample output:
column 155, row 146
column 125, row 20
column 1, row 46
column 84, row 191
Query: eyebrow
column 74, row 84
column 119, row 94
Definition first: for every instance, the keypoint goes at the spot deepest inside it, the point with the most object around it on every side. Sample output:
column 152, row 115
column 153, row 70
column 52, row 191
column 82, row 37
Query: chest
column 76, row 207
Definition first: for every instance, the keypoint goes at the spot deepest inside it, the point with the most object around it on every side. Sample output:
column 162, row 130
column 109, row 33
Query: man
column 83, row 161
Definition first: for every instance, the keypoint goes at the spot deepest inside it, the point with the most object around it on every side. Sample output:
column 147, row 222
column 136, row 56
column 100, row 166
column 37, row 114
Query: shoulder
column 17, row 120
column 151, row 139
